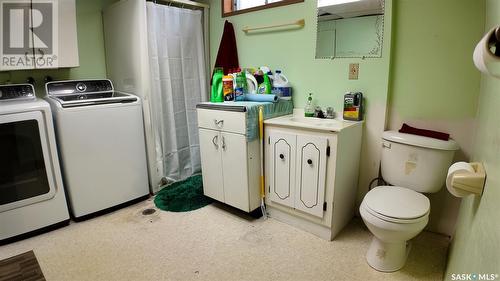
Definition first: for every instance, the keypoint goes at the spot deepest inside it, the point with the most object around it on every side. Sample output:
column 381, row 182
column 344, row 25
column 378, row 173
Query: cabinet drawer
column 228, row 121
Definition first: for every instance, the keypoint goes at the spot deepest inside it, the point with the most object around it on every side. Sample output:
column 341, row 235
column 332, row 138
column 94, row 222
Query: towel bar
column 300, row 23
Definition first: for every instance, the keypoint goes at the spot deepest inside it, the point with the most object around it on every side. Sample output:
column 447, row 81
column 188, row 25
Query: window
column 245, row 4
column 235, row 7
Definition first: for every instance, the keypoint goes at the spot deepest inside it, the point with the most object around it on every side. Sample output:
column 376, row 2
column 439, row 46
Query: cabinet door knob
column 309, row 161
column 282, row 156
column 223, row 143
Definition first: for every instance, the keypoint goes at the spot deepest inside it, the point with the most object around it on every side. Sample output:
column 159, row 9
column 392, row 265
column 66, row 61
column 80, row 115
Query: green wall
column 476, row 245
column 432, row 75
column 293, row 51
column 90, row 50
column 433, row 82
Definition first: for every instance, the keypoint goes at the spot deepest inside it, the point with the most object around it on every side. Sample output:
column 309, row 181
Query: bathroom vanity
column 311, row 172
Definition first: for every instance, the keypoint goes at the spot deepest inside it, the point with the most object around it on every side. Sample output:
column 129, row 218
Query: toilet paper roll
column 484, row 59
column 459, row 167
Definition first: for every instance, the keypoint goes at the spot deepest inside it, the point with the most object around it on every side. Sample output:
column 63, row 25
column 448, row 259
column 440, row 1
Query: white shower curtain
column 178, row 83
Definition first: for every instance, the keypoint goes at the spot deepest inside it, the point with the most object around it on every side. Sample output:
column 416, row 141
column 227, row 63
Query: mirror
column 236, row 7
column 349, row 29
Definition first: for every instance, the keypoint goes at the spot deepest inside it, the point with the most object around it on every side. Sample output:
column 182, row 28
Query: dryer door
column 26, row 175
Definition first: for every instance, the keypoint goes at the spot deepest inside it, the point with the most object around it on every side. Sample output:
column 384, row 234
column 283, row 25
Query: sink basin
column 315, row 121
column 299, row 121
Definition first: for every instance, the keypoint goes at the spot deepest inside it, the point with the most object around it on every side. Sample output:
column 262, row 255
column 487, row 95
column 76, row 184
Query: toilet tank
column 416, row 162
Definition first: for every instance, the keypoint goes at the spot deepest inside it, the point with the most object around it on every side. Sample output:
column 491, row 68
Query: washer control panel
column 78, row 87
column 17, row 91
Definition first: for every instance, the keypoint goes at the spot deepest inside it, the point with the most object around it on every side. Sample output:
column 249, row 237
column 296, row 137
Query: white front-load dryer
column 32, row 196
column 100, row 136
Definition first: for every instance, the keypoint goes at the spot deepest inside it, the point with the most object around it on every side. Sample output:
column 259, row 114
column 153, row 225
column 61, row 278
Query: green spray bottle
column 217, row 94
column 265, row 87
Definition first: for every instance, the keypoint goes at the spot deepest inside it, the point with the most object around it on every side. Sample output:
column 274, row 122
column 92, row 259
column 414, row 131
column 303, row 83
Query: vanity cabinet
column 311, row 172
column 298, row 171
column 55, row 49
column 230, row 164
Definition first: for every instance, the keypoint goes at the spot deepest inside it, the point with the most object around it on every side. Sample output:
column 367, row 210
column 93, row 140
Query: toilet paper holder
column 485, row 57
column 472, row 182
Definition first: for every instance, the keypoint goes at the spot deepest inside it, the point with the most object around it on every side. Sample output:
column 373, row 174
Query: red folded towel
column 422, row 132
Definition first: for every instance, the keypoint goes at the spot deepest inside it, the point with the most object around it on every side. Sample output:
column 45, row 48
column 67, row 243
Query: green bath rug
column 182, row 196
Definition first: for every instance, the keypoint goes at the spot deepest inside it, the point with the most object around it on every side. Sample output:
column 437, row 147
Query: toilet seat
column 396, row 204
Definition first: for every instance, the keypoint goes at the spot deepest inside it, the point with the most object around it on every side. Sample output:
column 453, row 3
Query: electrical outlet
column 353, row 71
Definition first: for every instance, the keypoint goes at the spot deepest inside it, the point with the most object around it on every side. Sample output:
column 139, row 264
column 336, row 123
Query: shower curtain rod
column 182, row 2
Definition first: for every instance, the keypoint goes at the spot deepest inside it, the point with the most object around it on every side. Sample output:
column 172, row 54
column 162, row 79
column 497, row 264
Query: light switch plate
column 353, row 71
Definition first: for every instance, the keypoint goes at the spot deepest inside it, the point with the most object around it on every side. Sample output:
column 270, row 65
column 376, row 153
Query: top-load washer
column 31, row 190
column 100, row 137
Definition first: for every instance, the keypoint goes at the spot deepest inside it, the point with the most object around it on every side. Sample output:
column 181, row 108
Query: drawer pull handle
column 282, row 157
column 214, row 141
column 309, row 161
column 386, row 145
column 219, row 123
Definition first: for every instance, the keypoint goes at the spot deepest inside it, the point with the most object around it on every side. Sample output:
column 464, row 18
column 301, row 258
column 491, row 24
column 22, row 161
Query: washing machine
column 32, row 196
column 100, row 136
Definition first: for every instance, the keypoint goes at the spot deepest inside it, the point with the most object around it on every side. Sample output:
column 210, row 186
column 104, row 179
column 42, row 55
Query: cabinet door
column 51, row 46
column 235, row 170
column 282, row 168
column 311, row 172
column 64, row 50
column 211, row 164
column 17, row 51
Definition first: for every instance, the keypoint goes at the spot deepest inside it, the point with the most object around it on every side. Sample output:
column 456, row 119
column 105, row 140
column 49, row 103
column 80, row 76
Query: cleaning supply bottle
column 252, row 86
column 227, row 85
column 217, row 94
column 280, row 80
column 265, row 86
column 281, row 86
column 309, row 108
column 234, row 73
column 245, row 83
column 239, row 91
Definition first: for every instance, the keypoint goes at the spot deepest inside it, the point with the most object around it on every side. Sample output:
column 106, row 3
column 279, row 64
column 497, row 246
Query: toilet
column 396, row 213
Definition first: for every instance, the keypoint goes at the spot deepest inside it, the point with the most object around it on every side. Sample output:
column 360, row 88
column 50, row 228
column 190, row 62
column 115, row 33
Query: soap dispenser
column 309, row 108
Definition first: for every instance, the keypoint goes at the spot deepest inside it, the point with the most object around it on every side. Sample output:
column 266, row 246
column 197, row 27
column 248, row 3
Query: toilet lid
column 397, row 202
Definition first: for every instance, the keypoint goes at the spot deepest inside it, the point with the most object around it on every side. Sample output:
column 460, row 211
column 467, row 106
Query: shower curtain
column 178, row 83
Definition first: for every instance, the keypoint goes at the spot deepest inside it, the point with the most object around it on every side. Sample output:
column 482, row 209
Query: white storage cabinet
column 230, row 165
column 67, row 43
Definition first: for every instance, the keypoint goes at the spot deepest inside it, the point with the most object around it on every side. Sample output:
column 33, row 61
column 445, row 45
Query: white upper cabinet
column 38, row 35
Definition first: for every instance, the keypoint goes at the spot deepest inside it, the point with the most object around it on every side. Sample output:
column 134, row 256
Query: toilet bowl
column 393, row 215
